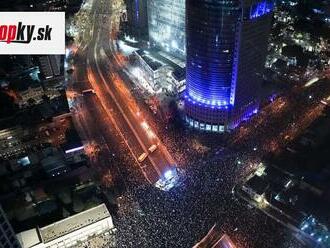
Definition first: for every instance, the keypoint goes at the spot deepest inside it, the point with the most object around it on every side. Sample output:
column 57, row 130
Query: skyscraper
column 166, row 20
column 226, row 50
column 137, row 18
column 7, row 234
column 50, row 66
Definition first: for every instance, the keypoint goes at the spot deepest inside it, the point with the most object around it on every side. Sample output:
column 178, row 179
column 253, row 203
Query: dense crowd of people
column 181, row 217
column 149, row 217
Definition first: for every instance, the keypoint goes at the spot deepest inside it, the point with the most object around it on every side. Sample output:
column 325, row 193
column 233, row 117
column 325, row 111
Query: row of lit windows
column 204, row 126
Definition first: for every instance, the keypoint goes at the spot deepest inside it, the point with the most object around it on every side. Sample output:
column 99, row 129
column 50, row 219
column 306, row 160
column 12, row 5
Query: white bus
column 142, row 157
column 152, row 148
column 88, row 91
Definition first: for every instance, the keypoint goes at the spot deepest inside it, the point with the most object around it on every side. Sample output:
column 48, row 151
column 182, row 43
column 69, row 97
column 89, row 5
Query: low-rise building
column 32, row 95
column 70, row 231
column 14, row 141
column 214, row 239
column 256, row 187
column 160, row 71
column 177, row 79
column 153, row 71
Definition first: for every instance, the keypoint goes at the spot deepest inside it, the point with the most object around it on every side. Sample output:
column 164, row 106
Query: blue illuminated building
column 137, row 11
column 226, row 49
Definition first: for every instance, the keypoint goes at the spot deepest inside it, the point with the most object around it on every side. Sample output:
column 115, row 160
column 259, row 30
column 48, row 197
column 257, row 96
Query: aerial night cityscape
column 165, row 124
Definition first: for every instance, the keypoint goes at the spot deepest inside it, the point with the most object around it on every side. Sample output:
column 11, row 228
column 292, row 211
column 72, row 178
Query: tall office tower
column 50, row 66
column 7, row 234
column 166, row 20
column 137, row 18
column 226, row 50
column 24, row 60
column 73, row 5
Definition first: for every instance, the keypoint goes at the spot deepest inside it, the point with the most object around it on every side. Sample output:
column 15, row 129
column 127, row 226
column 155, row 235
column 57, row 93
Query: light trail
column 133, row 106
column 97, row 90
column 100, row 94
column 120, row 106
column 122, row 112
column 311, row 82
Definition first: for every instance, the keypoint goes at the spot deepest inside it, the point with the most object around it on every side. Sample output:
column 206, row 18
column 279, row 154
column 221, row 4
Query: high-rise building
column 166, row 20
column 7, row 234
column 137, row 18
column 24, row 60
column 226, row 50
column 50, row 66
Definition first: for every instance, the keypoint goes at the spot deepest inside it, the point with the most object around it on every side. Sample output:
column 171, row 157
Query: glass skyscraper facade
column 166, row 20
column 7, row 235
column 226, row 49
column 137, row 18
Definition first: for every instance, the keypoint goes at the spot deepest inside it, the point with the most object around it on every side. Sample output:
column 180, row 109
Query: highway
column 114, row 104
column 92, row 125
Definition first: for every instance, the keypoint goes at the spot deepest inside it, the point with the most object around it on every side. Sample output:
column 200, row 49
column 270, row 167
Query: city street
column 112, row 117
column 121, row 108
column 165, row 124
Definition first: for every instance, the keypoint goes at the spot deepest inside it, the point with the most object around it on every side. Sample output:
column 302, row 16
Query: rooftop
column 155, row 59
column 28, row 238
column 215, row 239
column 179, row 73
column 224, row 242
column 258, row 185
column 73, row 223
column 154, row 64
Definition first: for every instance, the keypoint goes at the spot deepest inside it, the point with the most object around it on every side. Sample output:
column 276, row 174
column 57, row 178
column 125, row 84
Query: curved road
column 115, row 97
